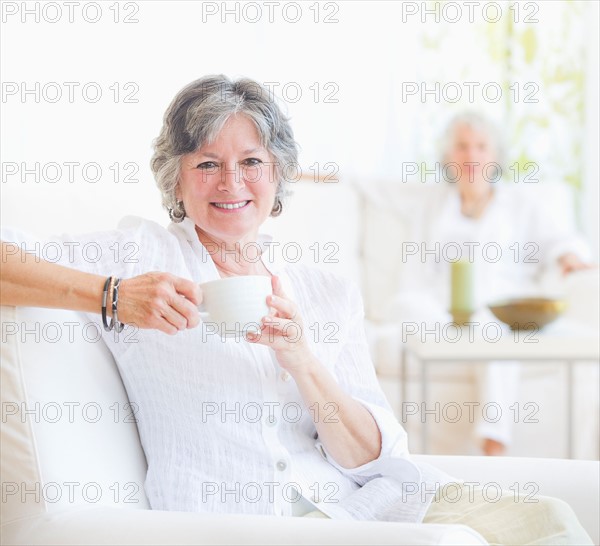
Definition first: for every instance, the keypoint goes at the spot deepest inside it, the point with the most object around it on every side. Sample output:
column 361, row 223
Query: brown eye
column 207, row 166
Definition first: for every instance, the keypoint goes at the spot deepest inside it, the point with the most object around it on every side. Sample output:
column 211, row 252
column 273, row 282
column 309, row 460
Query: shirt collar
column 271, row 250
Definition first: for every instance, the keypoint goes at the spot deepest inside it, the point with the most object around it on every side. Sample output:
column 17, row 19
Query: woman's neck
column 473, row 204
column 233, row 258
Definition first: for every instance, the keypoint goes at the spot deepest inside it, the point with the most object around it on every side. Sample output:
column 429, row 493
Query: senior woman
column 476, row 209
column 220, row 164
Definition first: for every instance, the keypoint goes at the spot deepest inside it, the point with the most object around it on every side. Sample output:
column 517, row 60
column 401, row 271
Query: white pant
column 507, row 519
column 498, row 386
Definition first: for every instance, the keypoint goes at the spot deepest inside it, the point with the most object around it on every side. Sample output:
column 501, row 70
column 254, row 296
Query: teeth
column 231, row 205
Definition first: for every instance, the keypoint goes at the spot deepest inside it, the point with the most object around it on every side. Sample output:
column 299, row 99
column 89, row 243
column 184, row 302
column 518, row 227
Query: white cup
column 235, row 305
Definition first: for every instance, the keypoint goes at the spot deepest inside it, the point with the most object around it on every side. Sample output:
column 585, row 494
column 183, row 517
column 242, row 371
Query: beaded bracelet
column 118, row 326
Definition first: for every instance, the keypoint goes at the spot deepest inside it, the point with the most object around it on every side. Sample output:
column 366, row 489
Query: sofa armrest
column 100, row 525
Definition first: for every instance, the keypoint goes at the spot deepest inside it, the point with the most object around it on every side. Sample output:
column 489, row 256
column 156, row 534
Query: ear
column 178, row 192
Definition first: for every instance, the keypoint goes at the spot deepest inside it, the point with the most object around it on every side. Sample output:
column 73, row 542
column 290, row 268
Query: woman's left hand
column 570, row 262
column 283, row 331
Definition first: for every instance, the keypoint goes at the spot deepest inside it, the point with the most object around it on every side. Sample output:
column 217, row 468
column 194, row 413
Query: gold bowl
column 528, row 313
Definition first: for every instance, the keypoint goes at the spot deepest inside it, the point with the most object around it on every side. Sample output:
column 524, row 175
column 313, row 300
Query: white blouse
column 223, row 427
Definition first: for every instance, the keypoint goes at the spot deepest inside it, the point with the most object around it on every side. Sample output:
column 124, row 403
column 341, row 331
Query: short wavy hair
column 197, row 114
column 480, row 123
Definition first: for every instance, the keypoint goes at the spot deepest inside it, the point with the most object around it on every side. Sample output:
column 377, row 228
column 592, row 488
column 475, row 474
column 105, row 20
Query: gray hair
column 197, row 114
column 480, row 123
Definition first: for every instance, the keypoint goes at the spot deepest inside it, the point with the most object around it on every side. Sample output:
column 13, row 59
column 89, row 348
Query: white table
column 561, row 341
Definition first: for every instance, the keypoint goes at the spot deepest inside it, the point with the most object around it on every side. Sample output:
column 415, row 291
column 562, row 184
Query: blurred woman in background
column 473, row 210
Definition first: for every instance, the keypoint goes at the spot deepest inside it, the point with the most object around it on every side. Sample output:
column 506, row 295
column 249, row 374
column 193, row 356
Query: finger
column 284, row 307
column 281, row 325
column 266, row 336
column 173, row 317
column 156, row 321
column 274, row 338
column 173, row 306
column 189, row 289
column 166, row 327
column 186, row 309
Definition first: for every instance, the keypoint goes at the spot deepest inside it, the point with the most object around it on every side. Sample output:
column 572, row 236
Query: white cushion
column 65, row 431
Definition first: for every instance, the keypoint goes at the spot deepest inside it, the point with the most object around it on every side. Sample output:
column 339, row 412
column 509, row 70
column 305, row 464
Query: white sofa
column 73, row 468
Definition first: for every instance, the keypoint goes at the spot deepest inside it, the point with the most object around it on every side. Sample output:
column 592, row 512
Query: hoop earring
column 177, row 213
column 277, row 207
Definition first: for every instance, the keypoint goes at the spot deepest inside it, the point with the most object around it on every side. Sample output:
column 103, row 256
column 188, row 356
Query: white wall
column 360, row 61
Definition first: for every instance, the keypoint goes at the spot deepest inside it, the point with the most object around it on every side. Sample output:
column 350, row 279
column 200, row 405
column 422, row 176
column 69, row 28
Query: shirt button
column 281, row 465
column 285, row 376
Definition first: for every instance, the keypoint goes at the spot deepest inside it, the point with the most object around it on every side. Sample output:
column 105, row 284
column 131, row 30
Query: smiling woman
column 220, row 162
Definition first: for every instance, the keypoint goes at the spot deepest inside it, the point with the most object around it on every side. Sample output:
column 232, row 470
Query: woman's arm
column 346, row 428
column 151, row 300
column 30, row 281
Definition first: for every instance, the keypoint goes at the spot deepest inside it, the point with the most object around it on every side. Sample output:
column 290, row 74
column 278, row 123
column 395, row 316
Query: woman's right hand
column 160, row 301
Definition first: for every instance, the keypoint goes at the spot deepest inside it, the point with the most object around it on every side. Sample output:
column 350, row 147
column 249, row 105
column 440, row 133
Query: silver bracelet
column 118, row 326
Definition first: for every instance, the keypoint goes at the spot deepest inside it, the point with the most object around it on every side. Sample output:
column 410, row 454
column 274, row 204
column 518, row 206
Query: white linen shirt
column 223, row 427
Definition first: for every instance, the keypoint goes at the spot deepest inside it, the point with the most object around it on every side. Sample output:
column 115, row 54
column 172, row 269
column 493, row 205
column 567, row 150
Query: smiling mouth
column 231, row 206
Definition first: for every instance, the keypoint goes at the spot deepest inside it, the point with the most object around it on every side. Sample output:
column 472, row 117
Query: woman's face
column 228, row 186
column 473, row 152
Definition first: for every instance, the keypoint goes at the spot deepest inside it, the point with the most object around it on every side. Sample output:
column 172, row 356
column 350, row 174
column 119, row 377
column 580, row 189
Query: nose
column 469, row 153
column 231, row 180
